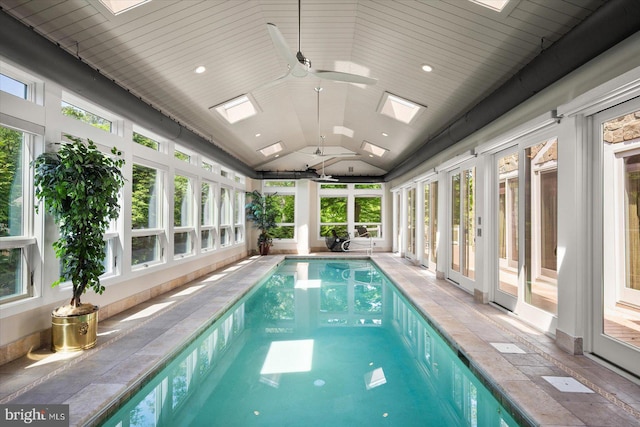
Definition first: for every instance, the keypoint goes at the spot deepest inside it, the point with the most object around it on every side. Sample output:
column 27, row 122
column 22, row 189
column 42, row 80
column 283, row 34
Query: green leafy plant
column 263, row 210
column 79, row 185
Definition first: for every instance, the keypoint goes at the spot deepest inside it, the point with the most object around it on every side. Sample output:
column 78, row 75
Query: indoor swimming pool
column 318, row 342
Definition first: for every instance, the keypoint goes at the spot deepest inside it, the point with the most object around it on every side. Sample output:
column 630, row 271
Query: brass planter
column 74, row 333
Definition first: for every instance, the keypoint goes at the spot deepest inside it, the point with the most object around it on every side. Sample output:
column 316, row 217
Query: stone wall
column 621, row 129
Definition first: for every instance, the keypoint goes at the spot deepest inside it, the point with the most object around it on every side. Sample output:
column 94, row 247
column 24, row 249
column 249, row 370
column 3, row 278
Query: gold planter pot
column 74, row 333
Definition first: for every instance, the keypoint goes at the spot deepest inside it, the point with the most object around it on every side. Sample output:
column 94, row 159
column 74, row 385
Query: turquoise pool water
column 318, row 343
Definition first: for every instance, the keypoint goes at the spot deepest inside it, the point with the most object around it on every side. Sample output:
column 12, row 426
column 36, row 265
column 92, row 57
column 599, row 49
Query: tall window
column 208, row 216
column 284, row 194
column 146, row 215
column 15, row 233
column 226, row 216
column 183, row 223
column 368, row 215
column 238, row 215
column 333, row 215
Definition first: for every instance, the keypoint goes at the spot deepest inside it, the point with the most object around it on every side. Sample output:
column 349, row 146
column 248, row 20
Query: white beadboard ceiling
column 154, row 49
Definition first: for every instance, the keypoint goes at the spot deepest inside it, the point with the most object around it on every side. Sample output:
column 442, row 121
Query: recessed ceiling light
column 258, row 134
column 200, row 69
column 427, row 68
column 385, row 134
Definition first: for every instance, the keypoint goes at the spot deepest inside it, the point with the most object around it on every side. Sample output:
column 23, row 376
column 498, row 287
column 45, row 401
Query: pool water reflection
column 319, row 342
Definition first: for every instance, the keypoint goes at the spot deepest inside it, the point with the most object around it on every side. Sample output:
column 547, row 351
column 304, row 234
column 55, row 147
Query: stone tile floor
column 141, row 340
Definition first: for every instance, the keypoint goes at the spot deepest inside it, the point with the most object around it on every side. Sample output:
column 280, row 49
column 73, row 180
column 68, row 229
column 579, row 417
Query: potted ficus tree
column 79, row 185
column 262, row 209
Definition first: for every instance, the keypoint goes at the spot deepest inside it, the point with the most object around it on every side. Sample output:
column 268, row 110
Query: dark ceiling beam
column 613, row 22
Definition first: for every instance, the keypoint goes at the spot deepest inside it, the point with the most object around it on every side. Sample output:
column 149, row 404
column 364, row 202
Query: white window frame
column 35, row 87
column 226, row 227
column 189, row 229
column 284, row 191
column 614, row 155
column 211, row 227
column 238, row 216
column 160, row 230
column 26, row 242
column 117, row 123
column 350, row 192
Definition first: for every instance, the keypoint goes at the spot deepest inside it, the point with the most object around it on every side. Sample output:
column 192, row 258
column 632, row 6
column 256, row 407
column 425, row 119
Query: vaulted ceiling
column 154, row 49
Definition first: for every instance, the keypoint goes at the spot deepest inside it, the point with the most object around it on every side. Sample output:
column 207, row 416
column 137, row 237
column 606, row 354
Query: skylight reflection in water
column 319, row 342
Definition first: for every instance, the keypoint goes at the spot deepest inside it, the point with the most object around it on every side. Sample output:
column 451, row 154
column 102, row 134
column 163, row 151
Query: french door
column 410, row 249
column 507, row 189
column 462, row 243
column 430, row 229
column 616, row 278
column 526, row 229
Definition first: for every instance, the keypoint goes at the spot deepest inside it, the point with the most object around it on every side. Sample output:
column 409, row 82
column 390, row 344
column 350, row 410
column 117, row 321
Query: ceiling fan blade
column 272, row 83
column 342, row 155
column 281, row 46
column 327, row 178
column 343, row 77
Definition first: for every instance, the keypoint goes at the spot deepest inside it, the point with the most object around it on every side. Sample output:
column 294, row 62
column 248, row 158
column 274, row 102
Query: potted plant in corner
column 79, row 185
column 263, row 211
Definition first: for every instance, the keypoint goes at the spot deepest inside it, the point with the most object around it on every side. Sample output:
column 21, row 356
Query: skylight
column 271, row 149
column 121, row 6
column 342, row 130
column 398, row 108
column 237, row 109
column 373, row 149
column 496, row 5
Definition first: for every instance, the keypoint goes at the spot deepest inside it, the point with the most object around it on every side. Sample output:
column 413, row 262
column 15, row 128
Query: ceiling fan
column 323, row 176
column 300, row 66
column 321, row 152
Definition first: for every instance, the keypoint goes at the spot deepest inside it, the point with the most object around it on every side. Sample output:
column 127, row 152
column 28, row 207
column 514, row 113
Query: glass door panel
column 411, row 223
column 468, row 244
column 454, row 242
column 427, row 224
column 507, row 182
column 462, row 238
column 631, row 288
column 433, row 239
column 430, row 224
column 540, row 225
column 616, row 283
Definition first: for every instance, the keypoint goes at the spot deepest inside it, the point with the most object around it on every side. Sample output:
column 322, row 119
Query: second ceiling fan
column 300, row 66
